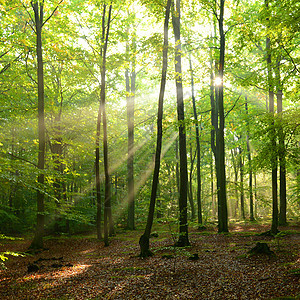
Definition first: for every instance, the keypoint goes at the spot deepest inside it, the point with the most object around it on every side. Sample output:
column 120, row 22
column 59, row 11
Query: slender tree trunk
column 251, row 201
column 214, row 109
column 144, row 239
column 199, row 206
column 190, row 189
column 98, row 183
column 255, row 195
column 220, row 142
column 130, row 97
column 38, row 237
column 108, row 226
column 241, row 163
column 213, row 205
column 214, row 127
column 177, row 166
column 274, row 226
column 183, row 226
column 281, row 153
column 235, row 168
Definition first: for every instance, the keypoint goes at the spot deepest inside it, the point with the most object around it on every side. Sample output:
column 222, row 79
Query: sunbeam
column 144, row 176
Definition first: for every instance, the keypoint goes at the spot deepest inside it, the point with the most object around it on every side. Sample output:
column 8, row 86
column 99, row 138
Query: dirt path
column 82, row 268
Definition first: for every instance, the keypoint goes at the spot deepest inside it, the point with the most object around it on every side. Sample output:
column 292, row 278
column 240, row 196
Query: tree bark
column 108, row 226
column 183, row 226
column 199, row 206
column 235, row 168
column 38, row 237
column 241, row 164
column 274, row 226
column 251, row 201
column 98, row 183
column 144, row 239
column 214, row 127
column 220, row 142
column 190, row 187
column 281, row 152
column 130, row 96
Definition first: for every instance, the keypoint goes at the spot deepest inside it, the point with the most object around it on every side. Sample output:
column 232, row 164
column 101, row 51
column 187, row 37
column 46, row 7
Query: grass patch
column 289, row 264
column 288, row 232
column 295, row 272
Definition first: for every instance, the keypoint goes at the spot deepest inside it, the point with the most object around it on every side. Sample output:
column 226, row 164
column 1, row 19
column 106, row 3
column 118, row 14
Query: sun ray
column 144, row 177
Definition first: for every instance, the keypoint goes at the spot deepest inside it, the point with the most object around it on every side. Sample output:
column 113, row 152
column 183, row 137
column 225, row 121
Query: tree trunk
column 281, row 153
column 251, row 202
column 38, row 237
column 190, row 188
column 144, row 239
column 235, row 168
column 214, row 126
column 183, row 226
column 97, row 170
column 199, row 206
column 213, row 204
column 220, row 142
column 130, row 95
column 274, row 226
column 108, row 227
column 241, row 163
column 177, row 166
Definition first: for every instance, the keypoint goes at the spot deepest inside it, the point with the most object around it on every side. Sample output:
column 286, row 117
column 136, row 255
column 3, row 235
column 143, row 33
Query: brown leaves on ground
column 82, row 268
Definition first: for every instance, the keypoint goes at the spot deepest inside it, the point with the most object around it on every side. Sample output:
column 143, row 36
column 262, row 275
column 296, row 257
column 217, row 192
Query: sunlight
column 65, row 272
column 117, row 164
column 218, row 81
column 145, row 176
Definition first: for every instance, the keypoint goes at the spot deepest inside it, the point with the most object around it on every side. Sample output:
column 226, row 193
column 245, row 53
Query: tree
column 274, row 226
column 282, row 151
column 218, row 124
column 241, row 165
column 250, row 167
column 130, row 96
column 38, row 9
column 144, row 239
column 108, row 226
column 183, row 186
column 199, row 211
column 97, row 175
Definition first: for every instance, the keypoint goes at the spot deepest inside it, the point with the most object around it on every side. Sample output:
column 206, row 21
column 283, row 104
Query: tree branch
column 292, row 60
column 52, row 12
column 29, row 17
column 233, row 105
column 21, row 158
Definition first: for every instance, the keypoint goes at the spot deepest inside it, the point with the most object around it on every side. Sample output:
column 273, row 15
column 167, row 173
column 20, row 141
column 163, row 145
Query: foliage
column 72, row 66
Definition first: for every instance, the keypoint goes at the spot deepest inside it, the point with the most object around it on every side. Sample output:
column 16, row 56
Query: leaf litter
column 82, row 268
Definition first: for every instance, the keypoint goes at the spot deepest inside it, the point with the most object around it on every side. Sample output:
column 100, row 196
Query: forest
column 149, row 149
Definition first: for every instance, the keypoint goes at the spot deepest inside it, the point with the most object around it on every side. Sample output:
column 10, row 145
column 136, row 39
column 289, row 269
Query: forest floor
column 80, row 267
